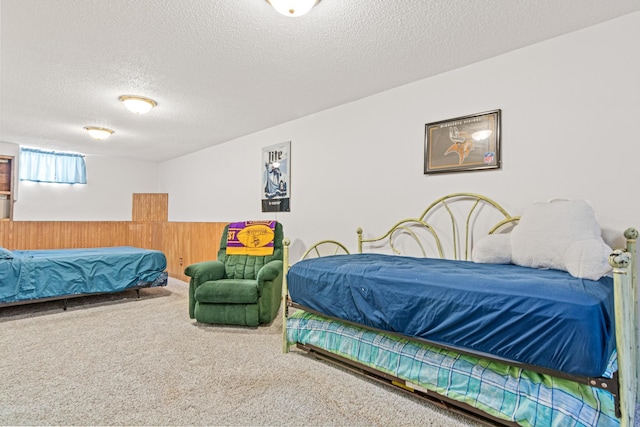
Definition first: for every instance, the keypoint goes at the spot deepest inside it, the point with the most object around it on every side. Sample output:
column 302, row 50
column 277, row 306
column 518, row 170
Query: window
column 48, row 166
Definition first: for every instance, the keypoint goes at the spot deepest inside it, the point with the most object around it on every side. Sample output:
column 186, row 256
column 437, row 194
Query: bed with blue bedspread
column 38, row 275
column 510, row 344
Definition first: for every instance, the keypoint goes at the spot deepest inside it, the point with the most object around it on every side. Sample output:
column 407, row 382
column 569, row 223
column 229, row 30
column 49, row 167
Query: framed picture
column 276, row 182
column 463, row 144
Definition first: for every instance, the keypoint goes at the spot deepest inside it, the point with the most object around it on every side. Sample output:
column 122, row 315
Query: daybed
column 38, row 275
column 506, row 343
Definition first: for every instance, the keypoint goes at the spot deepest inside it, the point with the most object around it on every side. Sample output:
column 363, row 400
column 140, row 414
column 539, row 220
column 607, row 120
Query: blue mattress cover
column 37, row 274
column 545, row 318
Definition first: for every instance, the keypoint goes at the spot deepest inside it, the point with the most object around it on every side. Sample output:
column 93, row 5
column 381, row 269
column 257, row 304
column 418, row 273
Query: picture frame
column 466, row 143
column 276, row 179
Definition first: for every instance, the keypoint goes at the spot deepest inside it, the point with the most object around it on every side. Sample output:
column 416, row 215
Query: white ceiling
column 221, row 69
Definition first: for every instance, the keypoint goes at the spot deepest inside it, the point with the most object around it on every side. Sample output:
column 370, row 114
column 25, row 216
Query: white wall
column 107, row 196
column 570, row 109
column 9, row 149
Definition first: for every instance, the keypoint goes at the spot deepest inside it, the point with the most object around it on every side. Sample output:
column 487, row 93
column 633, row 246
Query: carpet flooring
column 119, row 360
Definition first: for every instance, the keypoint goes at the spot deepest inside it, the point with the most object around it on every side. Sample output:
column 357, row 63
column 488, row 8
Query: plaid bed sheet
column 513, row 394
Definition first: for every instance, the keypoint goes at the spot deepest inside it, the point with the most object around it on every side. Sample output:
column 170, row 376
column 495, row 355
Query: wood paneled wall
column 150, row 207
column 188, row 243
column 183, row 243
column 62, row 234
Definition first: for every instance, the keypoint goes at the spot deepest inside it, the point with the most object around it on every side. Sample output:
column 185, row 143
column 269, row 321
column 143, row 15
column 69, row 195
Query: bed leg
column 626, row 332
column 64, row 304
column 138, row 293
column 285, row 293
column 631, row 234
column 616, row 396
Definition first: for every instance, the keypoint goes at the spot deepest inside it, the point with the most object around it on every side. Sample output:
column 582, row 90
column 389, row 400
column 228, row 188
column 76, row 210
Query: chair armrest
column 271, row 271
column 201, row 272
column 204, row 271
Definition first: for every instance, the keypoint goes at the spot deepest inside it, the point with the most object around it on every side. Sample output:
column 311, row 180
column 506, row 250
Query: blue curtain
column 49, row 166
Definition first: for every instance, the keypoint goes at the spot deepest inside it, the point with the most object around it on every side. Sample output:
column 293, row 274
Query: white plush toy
column 560, row 234
column 493, row 249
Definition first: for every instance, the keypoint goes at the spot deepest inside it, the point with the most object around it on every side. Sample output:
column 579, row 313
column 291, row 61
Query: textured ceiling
column 221, row 69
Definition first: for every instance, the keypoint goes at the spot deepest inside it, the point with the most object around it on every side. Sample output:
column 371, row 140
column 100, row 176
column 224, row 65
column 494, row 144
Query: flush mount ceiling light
column 98, row 133
column 137, row 104
column 293, row 8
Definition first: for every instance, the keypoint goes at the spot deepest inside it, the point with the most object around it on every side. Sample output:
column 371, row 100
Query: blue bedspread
column 545, row 318
column 37, row 274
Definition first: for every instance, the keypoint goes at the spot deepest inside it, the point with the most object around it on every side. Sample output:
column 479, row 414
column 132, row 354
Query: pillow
column 493, row 249
column 563, row 235
column 588, row 259
column 5, row 253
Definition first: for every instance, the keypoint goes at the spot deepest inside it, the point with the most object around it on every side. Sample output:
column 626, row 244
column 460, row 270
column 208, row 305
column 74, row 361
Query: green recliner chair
column 237, row 289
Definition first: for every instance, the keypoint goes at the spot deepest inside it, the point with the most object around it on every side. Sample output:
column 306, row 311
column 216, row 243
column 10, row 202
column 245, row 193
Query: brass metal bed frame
column 624, row 384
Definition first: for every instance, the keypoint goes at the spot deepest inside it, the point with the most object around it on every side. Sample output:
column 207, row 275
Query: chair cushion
column 229, row 291
column 243, row 266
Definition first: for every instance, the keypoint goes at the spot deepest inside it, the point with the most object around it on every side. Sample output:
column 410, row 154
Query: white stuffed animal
column 559, row 234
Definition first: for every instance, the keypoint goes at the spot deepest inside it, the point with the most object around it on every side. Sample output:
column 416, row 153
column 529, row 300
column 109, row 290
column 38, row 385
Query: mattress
column 512, row 394
column 545, row 318
column 38, row 274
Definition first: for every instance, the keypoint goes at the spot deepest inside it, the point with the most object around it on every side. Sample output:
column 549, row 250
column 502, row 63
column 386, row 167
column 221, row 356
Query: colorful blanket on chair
column 251, row 238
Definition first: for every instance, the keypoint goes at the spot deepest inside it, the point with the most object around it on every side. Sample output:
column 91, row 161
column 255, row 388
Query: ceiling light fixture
column 137, row 104
column 293, row 8
column 98, row 133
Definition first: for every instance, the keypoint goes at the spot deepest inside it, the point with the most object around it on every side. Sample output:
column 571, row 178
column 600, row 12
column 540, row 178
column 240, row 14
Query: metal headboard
column 324, row 248
column 460, row 224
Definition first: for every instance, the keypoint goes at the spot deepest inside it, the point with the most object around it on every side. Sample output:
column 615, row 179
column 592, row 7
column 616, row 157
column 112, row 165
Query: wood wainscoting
column 183, row 243
column 186, row 243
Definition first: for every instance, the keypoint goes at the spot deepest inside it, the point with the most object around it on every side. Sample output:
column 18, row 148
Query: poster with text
column 276, row 182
